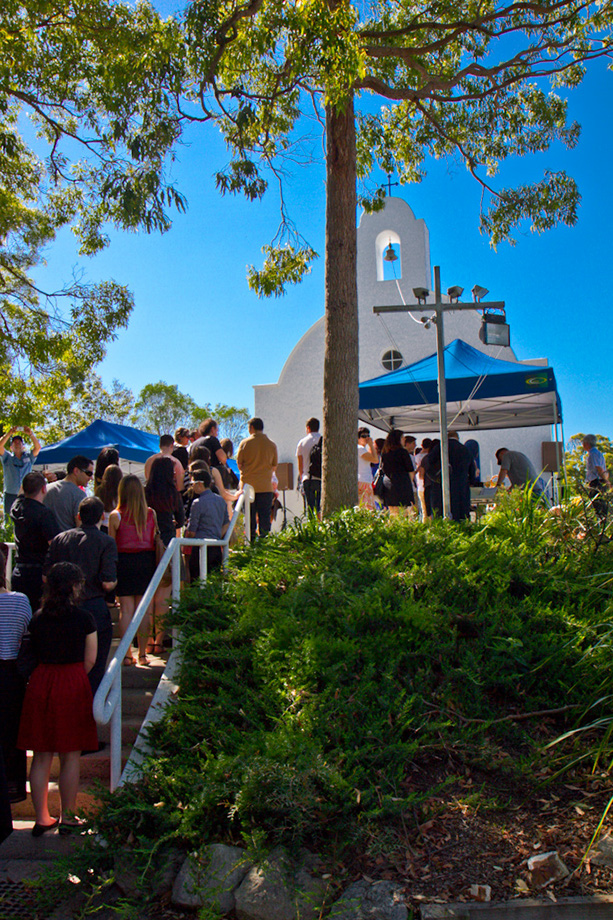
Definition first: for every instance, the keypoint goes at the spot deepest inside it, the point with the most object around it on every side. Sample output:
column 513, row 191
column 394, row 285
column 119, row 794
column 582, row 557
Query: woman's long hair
column 59, row 594
column 131, row 501
column 107, row 489
column 161, row 489
column 393, row 440
column 108, row 456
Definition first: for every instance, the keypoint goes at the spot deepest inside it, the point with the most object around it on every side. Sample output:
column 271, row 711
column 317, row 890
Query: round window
column 392, row 360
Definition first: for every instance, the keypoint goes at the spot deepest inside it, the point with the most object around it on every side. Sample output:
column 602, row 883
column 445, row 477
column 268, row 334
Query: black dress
column 397, row 466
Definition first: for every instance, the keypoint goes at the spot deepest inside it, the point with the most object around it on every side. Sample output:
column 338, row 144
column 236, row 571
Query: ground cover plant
column 348, row 672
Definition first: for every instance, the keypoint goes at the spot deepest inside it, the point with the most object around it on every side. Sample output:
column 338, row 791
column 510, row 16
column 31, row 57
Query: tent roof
column 482, row 392
column 131, row 443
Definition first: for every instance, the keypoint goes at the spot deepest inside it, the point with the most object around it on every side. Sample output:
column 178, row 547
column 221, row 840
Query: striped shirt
column 15, row 616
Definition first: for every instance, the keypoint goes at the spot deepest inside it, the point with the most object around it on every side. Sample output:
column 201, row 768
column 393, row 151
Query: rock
column 602, row 854
column 280, row 891
column 210, row 878
column 366, row 901
column 127, row 879
column 481, row 892
column 545, row 869
column 169, row 863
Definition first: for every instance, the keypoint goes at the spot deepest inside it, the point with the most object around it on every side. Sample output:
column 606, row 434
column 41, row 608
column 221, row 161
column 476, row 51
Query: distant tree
column 232, row 422
column 451, row 78
column 161, row 407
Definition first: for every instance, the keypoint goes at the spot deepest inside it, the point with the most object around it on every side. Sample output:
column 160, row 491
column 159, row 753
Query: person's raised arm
column 5, row 438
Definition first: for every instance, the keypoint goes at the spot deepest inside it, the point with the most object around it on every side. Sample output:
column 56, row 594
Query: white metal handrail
column 107, row 701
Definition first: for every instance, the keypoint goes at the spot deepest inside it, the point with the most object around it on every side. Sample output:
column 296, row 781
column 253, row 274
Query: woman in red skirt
column 57, row 709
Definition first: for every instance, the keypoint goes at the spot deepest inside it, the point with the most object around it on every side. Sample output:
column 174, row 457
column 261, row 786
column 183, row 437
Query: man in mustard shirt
column 257, row 461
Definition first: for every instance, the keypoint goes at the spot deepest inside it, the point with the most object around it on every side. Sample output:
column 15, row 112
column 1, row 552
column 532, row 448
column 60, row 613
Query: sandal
column 143, row 660
column 72, row 827
column 128, row 661
column 158, row 649
column 150, row 647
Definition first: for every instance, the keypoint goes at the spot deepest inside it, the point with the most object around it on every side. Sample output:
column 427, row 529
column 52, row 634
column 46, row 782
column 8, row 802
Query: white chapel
column 386, row 342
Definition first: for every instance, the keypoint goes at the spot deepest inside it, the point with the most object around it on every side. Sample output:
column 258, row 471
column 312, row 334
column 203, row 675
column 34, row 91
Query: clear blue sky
column 197, row 324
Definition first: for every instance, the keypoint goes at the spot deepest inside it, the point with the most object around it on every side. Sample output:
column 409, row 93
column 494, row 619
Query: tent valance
column 482, row 392
column 131, row 443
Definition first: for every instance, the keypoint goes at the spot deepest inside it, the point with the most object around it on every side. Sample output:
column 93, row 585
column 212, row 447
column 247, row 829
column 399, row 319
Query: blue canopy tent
column 131, row 443
column 482, row 392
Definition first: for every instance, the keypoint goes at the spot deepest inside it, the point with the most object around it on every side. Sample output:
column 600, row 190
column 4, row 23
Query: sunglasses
column 88, row 473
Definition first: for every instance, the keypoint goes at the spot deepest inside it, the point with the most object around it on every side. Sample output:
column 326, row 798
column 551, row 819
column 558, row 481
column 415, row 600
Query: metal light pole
column 439, row 309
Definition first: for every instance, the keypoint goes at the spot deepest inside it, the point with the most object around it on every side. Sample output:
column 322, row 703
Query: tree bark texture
column 341, row 372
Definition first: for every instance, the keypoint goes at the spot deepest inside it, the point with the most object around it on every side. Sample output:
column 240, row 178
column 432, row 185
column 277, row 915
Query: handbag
column 379, row 486
column 27, row 657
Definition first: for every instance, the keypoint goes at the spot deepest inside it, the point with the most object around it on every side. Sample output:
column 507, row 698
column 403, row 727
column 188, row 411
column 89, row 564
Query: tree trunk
column 340, row 417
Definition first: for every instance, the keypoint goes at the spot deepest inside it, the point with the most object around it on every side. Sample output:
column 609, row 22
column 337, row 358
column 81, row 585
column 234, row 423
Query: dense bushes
column 339, row 655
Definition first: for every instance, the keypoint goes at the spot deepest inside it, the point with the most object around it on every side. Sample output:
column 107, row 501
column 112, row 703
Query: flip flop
column 143, row 660
column 39, row 829
column 128, row 661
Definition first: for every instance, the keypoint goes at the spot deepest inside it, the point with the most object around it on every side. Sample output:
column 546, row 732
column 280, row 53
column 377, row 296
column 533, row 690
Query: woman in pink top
column 133, row 525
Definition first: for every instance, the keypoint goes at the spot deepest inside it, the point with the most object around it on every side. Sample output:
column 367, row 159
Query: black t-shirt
column 35, row 525
column 61, row 639
column 182, row 455
column 93, row 551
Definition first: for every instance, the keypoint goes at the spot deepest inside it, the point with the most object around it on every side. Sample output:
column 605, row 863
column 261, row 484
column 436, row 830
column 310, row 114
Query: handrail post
column 116, row 720
column 176, row 587
column 249, row 493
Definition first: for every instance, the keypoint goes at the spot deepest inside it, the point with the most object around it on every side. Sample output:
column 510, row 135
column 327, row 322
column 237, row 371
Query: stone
column 210, row 878
column 546, row 868
column 169, row 862
column 481, row 892
column 279, row 890
column 602, row 854
column 370, row 901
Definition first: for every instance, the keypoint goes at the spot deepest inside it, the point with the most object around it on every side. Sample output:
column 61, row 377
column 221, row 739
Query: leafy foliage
column 340, row 656
column 87, row 122
column 575, row 458
column 161, row 408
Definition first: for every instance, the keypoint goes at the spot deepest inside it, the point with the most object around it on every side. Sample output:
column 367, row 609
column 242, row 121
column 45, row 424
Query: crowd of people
column 86, row 541
column 397, row 475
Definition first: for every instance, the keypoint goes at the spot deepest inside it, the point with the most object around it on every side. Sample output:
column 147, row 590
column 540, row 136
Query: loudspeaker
column 285, row 475
column 551, row 456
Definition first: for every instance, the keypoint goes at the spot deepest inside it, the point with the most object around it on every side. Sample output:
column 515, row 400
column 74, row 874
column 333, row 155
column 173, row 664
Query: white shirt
column 303, row 449
column 364, row 470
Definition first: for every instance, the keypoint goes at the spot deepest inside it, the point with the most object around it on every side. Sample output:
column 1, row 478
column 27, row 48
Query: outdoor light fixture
column 454, row 293
column 426, row 320
column 479, row 293
column 390, row 255
column 421, row 293
column 495, row 330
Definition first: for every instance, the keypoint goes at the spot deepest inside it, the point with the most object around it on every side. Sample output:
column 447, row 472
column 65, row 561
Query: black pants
column 97, row 607
column 214, row 558
column 261, row 507
column 28, row 579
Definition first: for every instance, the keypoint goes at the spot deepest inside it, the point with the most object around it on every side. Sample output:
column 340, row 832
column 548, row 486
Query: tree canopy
column 480, row 82
column 88, row 120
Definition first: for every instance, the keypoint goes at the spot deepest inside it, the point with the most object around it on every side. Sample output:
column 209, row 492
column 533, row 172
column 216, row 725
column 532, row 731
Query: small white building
column 386, row 342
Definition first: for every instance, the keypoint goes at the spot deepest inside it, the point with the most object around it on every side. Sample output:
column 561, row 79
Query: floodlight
column 454, row 293
column 478, row 293
column 421, row 293
column 495, row 330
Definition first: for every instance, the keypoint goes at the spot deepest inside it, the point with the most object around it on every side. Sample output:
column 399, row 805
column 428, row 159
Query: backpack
column 315, row 460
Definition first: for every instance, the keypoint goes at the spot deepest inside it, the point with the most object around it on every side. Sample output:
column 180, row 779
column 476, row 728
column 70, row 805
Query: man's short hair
column 453, row 435
column 426, row 444
column 363, row 432
column 500, row 452
column 590, row 439
column 206, row 427
column 166, row 440
column 410, row 438
column 256, row 423
column 78, row 463
column 16, row 437
column 313, row 424
column 32, row 484
column 91, row 510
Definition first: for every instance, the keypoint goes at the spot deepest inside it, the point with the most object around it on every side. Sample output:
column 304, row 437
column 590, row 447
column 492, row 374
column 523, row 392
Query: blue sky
column 197, row 324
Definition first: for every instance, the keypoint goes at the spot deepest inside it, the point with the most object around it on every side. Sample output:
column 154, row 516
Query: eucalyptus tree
column 482, row 80
column 88, row 120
